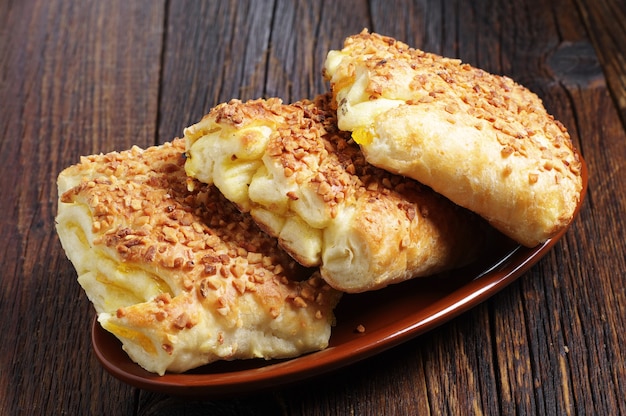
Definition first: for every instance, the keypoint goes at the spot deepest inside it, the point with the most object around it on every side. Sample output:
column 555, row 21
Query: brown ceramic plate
column 389, row 316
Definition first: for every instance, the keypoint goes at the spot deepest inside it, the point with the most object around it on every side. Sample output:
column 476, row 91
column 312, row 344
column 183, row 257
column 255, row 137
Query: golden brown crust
column 482, row 140
column 147, row 210
column 308, row 184
column 177, row 272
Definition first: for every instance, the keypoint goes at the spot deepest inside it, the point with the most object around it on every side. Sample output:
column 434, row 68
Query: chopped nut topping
column 495, row 102
column 298, row 301
column 183, row 321
column 158, row 221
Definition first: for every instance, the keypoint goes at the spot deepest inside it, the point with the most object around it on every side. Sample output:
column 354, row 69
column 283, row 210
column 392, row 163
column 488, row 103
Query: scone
column 176, row 272
column 481, row 140
column 308, row 184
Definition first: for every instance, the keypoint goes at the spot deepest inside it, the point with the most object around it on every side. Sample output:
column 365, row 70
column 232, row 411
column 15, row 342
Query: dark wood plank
column 247, row 50
column 220, row 57
column 605, row 21
column 302, row 35
column 77, row 78
column 585, row 295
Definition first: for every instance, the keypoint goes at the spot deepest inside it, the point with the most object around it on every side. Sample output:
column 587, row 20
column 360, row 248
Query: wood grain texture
column 77, row 78
column 605, row 21
column 257, row 49
column 214, row 51
column 86, row 77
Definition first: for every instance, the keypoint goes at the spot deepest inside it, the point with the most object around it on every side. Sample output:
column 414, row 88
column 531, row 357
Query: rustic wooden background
column 82, row 77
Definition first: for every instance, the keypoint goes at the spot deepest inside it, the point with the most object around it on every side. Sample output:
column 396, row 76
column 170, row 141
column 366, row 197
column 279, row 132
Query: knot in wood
column 576, row 63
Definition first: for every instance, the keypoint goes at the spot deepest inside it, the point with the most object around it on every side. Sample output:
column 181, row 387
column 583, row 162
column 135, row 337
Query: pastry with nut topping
column 482, row 140
column 176, row 272
column 306, row 183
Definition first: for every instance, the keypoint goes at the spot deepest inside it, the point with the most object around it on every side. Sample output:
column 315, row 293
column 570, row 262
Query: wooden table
column 83, row 77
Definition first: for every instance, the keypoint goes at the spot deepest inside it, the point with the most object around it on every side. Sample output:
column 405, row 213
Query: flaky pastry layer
column 482, row 140
column 176, row 272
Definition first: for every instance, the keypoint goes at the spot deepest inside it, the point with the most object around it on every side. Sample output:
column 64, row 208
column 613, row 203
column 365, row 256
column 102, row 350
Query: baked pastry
column 308, row 184
column 482, row 140
column 176, row 272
